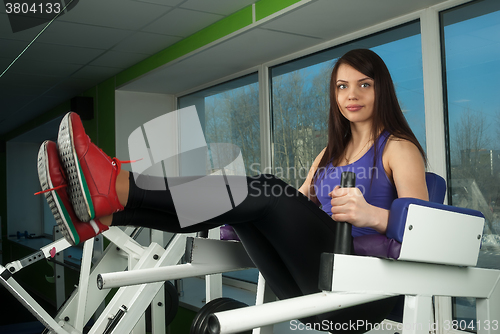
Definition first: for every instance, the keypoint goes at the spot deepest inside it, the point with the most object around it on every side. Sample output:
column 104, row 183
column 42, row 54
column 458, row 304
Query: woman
column 284, row 235
column 366, row 112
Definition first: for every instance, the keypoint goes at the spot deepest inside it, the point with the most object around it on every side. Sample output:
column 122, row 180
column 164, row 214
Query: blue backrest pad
column 399, row 212
column 436, row 186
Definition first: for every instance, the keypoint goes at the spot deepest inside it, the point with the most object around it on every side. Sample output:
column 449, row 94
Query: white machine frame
column 359, row 280
column 355, row 280
column 439, row 251
column 125, row 312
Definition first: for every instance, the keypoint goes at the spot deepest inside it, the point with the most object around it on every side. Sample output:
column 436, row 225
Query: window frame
column 444, row 305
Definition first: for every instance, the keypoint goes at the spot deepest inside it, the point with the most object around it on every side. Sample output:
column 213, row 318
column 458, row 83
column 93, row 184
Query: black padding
column 171, row 302
column 213, row 325
column 202, row 234
column 188, row 255
column 326, row 272
column 203, row 314
column 6, row 274
column 205, row 322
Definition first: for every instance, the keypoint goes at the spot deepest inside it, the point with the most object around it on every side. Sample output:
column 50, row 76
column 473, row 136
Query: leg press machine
column 430, row 249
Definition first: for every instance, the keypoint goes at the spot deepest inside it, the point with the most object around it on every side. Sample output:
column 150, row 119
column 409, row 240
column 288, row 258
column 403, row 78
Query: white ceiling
column 92, row 42
column 314, row 23
column 100, row 38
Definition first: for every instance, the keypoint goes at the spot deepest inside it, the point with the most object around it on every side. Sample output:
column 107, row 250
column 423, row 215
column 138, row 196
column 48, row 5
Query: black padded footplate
column 326, row 272
column 188, row 255
column 6, row 274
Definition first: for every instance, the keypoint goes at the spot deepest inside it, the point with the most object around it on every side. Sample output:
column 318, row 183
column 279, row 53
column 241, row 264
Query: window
column 229, row 113
column 471, row 52
column 300, row 98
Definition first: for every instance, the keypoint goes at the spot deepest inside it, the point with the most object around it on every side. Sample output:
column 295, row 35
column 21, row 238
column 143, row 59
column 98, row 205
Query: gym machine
column 125, row 312
column 430, row 249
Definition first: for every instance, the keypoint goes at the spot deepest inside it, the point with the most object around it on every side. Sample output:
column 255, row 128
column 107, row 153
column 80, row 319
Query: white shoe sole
column 76, row 181
column 55, row 204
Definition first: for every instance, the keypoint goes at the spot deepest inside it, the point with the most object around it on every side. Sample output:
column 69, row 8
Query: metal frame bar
column 158, row 303
column 417, row 314
column 83, row 287
column 31, row 304
column 113, row 259
column 213, row 282
column 487, row 310
column 59, row 277
column 129, row 302
column 264, row 295
column 239, row 320
column 206, row 257
column 350, row 286
column 411, row 278
column 135, row 298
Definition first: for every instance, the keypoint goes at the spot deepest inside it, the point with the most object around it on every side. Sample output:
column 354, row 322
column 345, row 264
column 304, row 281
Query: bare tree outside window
column 233, row 117
column 472, row 104
column 300, row 120
column 475, row 166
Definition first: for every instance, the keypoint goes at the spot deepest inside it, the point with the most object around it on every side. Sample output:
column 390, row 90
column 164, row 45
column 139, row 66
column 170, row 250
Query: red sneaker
column 91, row 173
column 53, row 183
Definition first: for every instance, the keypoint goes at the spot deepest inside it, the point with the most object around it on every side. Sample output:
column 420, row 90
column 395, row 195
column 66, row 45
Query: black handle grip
column 343, row 230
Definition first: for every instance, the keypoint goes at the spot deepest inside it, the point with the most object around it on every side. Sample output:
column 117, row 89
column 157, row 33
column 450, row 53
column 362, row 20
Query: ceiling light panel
column 121, row 14
column 61, row 53
column 182, row 22
column 81, row 35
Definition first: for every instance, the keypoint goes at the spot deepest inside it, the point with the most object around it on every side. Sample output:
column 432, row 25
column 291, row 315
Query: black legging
column 283, row 232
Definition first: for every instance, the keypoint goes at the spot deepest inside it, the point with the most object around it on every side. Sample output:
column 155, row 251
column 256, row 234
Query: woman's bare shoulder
column 406, row 167
column 401, row 148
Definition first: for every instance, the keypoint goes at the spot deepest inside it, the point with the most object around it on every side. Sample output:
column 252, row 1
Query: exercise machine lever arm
column 343, row 229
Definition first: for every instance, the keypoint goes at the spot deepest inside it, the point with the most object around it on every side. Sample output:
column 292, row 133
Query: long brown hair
column 387, row 114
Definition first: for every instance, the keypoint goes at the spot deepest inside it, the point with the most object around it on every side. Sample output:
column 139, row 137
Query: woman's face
column 355, row 94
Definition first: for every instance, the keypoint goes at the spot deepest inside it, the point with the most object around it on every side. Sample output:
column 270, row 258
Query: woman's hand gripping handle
column 343, row 230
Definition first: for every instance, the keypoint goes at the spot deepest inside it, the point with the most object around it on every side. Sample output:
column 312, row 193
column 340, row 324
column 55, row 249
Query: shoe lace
column 117, row 162
column 50, row 189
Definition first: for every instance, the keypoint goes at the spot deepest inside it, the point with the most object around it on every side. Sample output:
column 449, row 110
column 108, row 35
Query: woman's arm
column 307, row 188
column 404, row 166
column 349, row 205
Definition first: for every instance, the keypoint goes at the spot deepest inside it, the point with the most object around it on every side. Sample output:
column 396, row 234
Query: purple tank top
column 371, row 179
